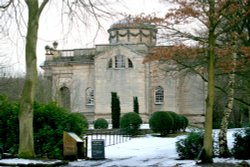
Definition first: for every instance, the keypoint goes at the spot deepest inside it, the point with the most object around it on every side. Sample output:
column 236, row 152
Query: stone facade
column 83, row 79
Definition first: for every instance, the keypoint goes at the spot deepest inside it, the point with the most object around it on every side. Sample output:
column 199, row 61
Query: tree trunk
column 207, row 157
column 208, row 139
column 26, row 141
column 223, row 147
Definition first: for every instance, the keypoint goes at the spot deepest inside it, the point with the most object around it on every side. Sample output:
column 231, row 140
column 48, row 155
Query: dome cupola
column 130, row 31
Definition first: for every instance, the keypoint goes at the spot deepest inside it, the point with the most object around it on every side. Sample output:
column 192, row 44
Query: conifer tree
column 136, row 105
column 115, row 110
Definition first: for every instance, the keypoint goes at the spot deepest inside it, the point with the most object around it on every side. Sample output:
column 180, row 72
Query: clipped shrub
column 130, row 123
column 241, row 145
column 49, row 123
column 161, row 122
column 191, row 146
column 9, row 125
column 184, row 122
column 176, row 121
column 101, row 123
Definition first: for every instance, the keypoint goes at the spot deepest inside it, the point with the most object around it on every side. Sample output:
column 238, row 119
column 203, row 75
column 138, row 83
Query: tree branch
column 42, row 6
column 185, row 35
column 7, row 5
column 216, row 86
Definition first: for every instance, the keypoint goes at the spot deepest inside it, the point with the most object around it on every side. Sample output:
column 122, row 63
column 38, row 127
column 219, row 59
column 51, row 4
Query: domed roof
column 132, row 22
column 132, row 31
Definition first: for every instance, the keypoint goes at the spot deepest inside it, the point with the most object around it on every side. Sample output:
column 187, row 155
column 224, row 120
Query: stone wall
column 168, row 81
column 127, row 82
column 191, row 97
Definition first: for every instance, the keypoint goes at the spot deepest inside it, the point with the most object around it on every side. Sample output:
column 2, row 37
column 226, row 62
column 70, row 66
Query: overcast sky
column 71, row 36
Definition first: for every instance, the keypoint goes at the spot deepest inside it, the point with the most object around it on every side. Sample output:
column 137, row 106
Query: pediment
column 130, row 51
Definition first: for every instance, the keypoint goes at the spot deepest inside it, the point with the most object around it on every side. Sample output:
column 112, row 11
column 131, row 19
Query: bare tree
column 30, row 26
column 204, row 35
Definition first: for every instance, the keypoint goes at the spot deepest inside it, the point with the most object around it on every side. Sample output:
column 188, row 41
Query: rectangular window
column 159, row 95
column 90, row 96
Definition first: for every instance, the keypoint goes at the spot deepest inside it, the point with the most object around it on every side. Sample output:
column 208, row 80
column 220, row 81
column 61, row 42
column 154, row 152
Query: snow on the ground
column 142, row 151
column 149, row 151
column 16, row 161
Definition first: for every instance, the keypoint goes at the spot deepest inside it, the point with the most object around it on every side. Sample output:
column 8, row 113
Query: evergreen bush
column 50, row 121
column 9, row 125
column 191, row 146
column 176, row 121
column 101, row 123
column 130, row 123
column 161, row 122
column 241, row 145
column 184, row 122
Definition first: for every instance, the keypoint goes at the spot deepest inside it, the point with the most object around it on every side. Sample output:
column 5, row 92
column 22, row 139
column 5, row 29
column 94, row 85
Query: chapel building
column 82, row 79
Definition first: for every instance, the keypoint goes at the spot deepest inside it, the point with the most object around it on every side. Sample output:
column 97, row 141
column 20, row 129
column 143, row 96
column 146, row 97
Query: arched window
column 159, row 95
column 110, row 63
column 90, row 98
column 130, row 64
column 65, row 97
column 119, row 61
